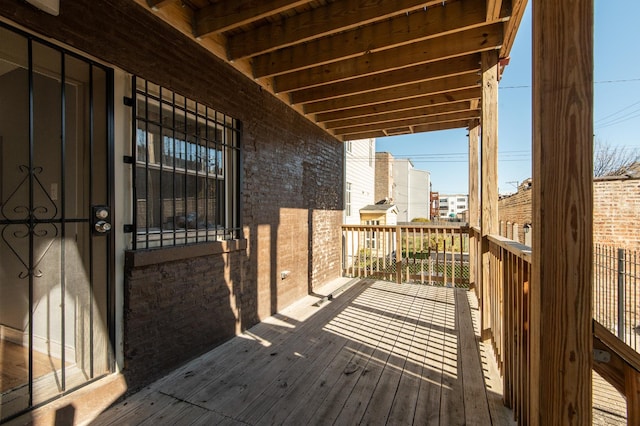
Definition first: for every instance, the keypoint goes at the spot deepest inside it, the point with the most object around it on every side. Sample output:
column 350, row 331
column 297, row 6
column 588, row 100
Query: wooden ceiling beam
column 494, row 8
column 226, row 15
column 400, row 105
column 386, row 117
column 431, row 71
column 412, row 122
column 385, row 95
column 330, row 19
column 416, row 129
column 441, row 126
column 400, row 30
column 448, row 46
column 511, row 27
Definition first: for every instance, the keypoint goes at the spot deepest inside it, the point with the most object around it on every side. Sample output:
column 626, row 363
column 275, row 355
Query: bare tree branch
column 611, row 160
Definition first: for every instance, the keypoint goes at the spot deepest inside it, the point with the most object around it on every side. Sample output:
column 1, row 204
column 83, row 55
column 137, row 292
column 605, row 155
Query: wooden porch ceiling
column 358, row 68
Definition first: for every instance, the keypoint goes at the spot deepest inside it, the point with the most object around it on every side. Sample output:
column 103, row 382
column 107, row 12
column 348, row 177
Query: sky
column 616, row 106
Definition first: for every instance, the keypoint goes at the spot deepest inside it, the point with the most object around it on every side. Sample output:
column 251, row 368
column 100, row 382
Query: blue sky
column 616, row 105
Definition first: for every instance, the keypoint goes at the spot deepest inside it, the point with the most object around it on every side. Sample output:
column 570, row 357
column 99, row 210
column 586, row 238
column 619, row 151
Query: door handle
column 101, row 219
column 102, row 226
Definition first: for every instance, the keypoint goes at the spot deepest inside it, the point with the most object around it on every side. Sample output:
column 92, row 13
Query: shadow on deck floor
column 377, row 353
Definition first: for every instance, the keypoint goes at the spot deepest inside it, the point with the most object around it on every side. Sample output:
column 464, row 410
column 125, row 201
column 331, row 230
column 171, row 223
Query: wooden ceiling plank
column 385, row 95
column 157, row 4
column 418, row 121
column 458, row 44
column 422, row 72
column 400, row 115
column 397, row 31
column 400, row 105
column 226, row 15
column 330, row 19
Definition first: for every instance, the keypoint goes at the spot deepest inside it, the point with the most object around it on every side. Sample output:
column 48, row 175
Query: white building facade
column 359, row 178
column 451, row 205
column 411, row 190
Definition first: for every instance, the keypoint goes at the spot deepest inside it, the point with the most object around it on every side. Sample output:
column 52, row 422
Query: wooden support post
column 474, row 134
column 489, row 174
column 474, row 215
column 398, row 258
column 632, row 393
column 561, row 294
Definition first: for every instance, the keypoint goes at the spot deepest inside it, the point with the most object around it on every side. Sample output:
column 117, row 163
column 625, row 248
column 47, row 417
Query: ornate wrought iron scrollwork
column 29, row 221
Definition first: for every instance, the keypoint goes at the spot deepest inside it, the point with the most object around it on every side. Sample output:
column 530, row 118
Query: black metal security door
column 56, row 251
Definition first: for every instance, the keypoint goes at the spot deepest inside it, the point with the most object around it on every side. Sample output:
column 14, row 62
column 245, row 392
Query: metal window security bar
column 616, row 292
column 56, row 271
column 187, row 170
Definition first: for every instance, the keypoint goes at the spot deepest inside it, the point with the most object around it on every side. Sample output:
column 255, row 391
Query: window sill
column 154, row 256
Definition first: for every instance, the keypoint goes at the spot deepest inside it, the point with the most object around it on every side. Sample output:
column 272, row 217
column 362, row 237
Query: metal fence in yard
column 616, row 292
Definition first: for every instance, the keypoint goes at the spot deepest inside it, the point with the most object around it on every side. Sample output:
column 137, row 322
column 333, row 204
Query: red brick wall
column 384, row 176
column 292, row 197
column 616, row 212
column 515, row 209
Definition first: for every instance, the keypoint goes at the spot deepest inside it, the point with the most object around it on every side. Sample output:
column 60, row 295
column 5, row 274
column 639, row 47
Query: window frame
column 194, row 179
column 347, row 199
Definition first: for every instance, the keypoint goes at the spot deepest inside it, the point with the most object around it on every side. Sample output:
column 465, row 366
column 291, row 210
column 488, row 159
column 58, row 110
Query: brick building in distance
column 616, row 208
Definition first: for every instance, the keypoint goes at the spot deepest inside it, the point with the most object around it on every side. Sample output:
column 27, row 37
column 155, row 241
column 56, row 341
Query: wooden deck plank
column 384, row 354
column 341, row 331
column 189, row 378
column 427, row 405
column 404, row 404
column 175, row 412
column 359, row 401
column 227, row 372
column 357, row 359
column 136, row 409
column 241, row 383
column 476, row 409
column 451, row 410
column 332, row 406
column 331, row 400
column 500, row 415
column 399, row 365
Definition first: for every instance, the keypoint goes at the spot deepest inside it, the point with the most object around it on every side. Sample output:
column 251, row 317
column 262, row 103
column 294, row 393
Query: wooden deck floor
column 378, row 353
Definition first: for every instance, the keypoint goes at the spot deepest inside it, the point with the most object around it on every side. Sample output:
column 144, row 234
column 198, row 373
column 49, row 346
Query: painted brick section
column 291, row 194
column 616, row 212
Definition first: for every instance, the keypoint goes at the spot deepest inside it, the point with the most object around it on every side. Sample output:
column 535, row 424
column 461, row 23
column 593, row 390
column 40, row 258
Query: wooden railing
column 618, row 364
column 436, row 255
column 508, row 320
column 508, row 307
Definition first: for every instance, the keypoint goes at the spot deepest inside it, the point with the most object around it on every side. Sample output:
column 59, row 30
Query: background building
column 359, row 178
column 384, row 176
column 451, row 205
column 435, row 205
column 411, row 190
